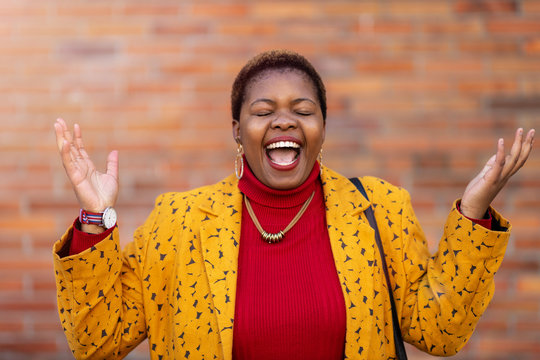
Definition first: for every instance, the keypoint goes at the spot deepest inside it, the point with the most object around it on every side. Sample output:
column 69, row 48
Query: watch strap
column 91, row 218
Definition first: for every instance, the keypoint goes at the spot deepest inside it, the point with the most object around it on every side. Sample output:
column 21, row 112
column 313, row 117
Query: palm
column 99, row 189
column 94, row 190
column 481, row 191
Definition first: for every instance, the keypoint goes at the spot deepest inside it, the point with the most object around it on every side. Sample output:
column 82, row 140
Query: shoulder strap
column 398, row 340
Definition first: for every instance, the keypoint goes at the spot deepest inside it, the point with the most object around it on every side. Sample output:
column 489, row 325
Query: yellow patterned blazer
column 175, row 284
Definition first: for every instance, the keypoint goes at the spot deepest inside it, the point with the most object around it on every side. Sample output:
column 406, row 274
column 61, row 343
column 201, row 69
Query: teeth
column 283, row 144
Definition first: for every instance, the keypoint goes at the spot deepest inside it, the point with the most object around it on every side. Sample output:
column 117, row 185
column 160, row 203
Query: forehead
column 275, row 80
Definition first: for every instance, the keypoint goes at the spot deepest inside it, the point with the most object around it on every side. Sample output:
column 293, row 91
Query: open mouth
column 283, row 153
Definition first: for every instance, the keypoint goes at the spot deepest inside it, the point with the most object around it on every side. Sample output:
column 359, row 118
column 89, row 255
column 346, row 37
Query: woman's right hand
column 95, row 190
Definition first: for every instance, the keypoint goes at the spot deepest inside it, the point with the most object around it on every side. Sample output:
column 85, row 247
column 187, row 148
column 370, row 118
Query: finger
column 59, row 136
column 512, row 159
column 78, row 140
column 67, row 157
column 65, row 130
column 494, row 167
column 59, row 128
column 525, row 151
column 112, row 164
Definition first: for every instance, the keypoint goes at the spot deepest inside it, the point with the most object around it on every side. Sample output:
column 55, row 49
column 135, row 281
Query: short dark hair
column 272, row 60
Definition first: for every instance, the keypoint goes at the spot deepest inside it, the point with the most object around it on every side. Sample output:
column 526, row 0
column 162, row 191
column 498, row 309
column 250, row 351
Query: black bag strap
column 398, row 340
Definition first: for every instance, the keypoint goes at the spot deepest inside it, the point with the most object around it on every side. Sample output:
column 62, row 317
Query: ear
column 236, row 130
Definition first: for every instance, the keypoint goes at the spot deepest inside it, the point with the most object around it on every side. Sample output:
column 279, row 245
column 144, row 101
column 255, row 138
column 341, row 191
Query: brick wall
column 419, row 91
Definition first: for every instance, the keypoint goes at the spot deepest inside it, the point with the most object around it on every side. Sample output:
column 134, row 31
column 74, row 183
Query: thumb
column 112, row 164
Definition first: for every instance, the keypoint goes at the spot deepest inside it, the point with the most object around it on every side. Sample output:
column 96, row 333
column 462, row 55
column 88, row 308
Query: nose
column 284, row 121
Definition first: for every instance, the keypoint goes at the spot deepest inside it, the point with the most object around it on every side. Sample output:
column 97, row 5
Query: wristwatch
column 107, row 218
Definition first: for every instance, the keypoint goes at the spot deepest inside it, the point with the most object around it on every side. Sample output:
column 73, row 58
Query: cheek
column 315, row 136
column 252, row 137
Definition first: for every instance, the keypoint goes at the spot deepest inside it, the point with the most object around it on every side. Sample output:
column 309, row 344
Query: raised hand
column 498, row 170
column 94, row 190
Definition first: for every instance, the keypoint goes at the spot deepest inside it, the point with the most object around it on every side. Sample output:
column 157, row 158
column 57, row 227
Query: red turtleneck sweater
column 289, row 303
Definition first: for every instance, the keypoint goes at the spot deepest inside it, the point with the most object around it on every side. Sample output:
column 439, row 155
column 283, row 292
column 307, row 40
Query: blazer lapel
column 220, row 236
column 353, row 247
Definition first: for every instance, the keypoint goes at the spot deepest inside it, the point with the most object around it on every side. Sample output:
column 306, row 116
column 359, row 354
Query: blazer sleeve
column 99, row 293
column 444, row 295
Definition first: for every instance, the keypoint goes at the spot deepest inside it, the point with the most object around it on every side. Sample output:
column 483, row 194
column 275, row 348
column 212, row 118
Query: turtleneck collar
column 258, row 192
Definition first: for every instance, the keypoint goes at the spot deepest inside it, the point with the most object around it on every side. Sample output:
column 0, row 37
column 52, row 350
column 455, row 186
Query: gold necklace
column 273, row 238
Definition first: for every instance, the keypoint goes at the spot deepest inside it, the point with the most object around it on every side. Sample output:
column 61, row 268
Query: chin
column 284, row 181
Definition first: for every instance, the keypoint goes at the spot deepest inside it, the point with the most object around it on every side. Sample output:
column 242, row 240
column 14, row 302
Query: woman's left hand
column 498, row 170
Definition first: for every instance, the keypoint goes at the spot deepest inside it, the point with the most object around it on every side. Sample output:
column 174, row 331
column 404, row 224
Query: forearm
column 95, row 306
column 444, row 302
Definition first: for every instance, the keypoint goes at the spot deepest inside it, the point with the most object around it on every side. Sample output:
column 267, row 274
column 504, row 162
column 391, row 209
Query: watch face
column 109, row 217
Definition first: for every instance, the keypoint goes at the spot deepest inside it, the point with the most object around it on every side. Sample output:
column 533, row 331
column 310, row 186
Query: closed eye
column 263, row 113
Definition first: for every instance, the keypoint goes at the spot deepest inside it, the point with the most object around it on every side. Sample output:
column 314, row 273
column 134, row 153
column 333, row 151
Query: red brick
column 11, row 327
column 521, row 265
column 84, row 9
column 379, row 66
column 485, row 6
column 248, row 29
column 186, row 68
column 148, row 10
column 493, row 326
column 152, row 48
column 422, row 86
column 489, row 47
column 368, row 25
column 418, row 8
column 528, row 243
column 10, row 285
column 24, row 48
column 221, row 10
column 529, row 284
column 513, row 26
column 454, row 66
column 349, row 48
column 285, row 10
column 16, row 10
column 38, row 346
column 102, row 29
column 37, row 305
column 517, row 305
column 487, row 86
column 354, row 86
column 416, row 46
column 469, row 27
column 530, row 6
column 529, row 326
column 532, row 46
column 176, row 28
column 510, row 347
column 354, row 8
column 154, row 87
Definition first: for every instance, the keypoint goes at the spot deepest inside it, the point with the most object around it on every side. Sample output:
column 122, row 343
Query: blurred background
column 418, row 93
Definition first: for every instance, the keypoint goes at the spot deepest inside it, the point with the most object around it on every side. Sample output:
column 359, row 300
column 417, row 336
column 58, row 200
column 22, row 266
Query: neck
column 259, row 193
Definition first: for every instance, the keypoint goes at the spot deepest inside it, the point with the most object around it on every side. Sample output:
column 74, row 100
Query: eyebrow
column 269, row 101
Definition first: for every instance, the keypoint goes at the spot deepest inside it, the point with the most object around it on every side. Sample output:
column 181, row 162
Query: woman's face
column 281, row 127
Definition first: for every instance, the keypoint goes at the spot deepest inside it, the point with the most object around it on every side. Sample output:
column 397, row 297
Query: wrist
column 471, row 213
column 105, row 219
column 92, row 229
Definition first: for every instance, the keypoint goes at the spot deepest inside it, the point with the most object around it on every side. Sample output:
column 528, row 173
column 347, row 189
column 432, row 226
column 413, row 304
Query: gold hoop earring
column 239, row 153
column 319, row 158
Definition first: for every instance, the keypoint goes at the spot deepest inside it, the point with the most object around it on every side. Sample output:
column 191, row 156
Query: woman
column 282, row 250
